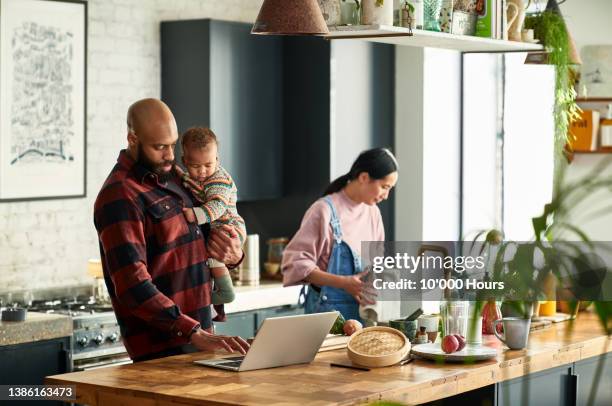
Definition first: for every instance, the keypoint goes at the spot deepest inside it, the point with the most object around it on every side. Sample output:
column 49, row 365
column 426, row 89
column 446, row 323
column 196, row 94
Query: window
column 507, row 143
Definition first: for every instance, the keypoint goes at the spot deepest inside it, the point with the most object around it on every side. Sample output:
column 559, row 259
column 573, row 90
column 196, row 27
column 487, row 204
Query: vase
column 431, row 14
column 490, row 313
column 516, row 19
column 373, row 12
column 331, row 11
column 349, row 13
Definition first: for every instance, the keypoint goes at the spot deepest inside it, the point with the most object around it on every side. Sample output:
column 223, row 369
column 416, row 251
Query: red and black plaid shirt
column 154, row 261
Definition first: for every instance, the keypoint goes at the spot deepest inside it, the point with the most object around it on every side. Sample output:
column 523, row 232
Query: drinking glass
column 454, row 317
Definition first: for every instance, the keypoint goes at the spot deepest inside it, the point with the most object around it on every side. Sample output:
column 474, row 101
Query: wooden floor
column 175, row 380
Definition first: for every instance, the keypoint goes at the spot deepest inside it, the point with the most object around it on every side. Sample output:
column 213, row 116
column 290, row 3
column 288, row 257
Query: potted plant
column 550, row 28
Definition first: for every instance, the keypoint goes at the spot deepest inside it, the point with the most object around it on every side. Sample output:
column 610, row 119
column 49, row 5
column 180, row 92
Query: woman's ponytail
column 337, row 184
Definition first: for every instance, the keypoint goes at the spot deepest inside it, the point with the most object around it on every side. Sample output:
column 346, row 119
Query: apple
column 450, row 344
column 351, row 327
column 461, row 340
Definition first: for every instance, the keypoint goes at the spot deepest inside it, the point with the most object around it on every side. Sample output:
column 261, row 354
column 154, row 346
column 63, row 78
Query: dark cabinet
column 289, row 310
column 30, row 363
column 215, row 74
column 528, row 390
column 237, row 324
column 571, row 384
column 245, row 324
column 586, row 371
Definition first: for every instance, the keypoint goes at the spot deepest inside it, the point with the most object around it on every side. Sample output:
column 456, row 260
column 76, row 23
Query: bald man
column 154, row 261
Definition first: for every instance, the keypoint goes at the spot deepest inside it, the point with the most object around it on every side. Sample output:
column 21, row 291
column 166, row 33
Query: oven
column 96, row 339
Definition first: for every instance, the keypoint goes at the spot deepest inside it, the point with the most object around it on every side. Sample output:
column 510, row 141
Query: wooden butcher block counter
column 176, row 380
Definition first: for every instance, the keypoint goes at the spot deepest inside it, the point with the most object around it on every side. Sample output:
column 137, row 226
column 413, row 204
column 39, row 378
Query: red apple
column 461, row 340
column 351, row 326
column 450, row 344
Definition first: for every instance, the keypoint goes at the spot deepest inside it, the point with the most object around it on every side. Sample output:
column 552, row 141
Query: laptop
column 279, row 342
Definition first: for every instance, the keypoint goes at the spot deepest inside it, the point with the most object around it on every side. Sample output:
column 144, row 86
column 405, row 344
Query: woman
column 325, row 252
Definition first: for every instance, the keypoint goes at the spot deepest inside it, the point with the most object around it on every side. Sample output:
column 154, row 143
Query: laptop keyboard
column 232, row 362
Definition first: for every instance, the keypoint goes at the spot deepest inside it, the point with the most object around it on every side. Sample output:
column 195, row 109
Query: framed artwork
column 43, row 51
column 596, row 72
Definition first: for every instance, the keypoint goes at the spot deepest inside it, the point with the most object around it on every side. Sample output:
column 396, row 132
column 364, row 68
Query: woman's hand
column 204, row 341
column 360, row 290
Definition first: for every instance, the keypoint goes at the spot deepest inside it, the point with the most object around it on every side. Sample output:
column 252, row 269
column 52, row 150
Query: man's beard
column 155, row 167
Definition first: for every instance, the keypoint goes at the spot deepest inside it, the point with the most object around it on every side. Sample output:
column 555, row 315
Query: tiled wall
column 47, row 243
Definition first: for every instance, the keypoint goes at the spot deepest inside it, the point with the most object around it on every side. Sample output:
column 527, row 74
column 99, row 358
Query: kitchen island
column 176, row 380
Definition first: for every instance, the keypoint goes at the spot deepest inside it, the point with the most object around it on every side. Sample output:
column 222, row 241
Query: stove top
column 78, row 306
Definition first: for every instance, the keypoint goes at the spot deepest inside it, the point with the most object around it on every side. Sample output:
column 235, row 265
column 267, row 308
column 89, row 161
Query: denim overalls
column 342, row 261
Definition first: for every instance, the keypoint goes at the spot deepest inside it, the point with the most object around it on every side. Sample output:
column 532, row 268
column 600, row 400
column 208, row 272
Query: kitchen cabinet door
column 237, row 324
column 216, row 74
column 30, row 363
column 551, row 387
column 585, row 371
column 288, row 310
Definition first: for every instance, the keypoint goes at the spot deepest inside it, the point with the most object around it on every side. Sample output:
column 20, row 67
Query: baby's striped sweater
column 218, row 195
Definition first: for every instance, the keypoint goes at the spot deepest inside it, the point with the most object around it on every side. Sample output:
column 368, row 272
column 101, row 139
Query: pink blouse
column 311, row 246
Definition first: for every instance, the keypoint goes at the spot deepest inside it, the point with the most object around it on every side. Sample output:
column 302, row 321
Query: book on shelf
column 487, row 18
column 584, row 131
column 492, row 18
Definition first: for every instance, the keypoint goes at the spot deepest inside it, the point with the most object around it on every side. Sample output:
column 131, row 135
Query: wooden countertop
column 175, row 380
column 36, row 327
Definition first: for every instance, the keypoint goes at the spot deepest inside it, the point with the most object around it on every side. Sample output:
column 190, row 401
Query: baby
column 212, row 186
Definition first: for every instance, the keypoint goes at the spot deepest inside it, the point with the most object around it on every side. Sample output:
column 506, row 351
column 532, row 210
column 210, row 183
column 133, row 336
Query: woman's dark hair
column 377, row 162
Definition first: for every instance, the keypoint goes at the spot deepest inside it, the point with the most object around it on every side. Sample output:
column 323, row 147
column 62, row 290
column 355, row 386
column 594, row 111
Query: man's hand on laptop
column 204, row 341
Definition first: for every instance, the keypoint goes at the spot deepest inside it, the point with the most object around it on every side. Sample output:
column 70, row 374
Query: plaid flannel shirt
column 154, row 261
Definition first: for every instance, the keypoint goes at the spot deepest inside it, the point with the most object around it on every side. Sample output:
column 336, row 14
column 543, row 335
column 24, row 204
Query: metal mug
column 516, row 332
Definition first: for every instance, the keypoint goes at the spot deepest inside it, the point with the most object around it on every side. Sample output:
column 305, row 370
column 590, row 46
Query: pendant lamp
column 290, row 17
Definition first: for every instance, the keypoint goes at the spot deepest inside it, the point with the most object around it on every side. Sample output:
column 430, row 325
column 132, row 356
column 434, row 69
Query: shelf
column 594, row 99
column 599, row 151
column 401, row 36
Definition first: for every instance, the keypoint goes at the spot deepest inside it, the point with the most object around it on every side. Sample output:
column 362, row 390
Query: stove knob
column 113, row 338
column 99, row 339
column 82, row 341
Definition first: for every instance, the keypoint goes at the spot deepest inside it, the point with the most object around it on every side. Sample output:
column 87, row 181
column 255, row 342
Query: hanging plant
column 549, row 27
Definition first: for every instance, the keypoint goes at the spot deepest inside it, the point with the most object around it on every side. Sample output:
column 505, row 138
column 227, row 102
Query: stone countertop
column 176, row 380
column 36, row 327
column 266, row 294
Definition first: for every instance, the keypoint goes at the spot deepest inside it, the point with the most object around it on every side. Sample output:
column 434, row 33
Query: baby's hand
column 189, row 215
column 192, row 184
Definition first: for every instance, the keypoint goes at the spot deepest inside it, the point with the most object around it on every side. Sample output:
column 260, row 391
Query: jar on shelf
column 276, row 247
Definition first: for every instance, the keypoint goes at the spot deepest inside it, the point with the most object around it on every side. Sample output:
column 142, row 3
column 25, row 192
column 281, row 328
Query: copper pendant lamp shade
column 290, row 17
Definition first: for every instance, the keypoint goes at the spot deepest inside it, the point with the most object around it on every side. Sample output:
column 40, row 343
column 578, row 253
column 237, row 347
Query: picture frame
column 43, row 99
column 596, row 72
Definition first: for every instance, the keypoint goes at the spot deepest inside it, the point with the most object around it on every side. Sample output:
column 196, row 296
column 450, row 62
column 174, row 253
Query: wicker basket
column 377, row 347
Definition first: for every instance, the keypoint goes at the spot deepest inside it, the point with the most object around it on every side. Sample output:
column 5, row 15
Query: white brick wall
column 47, row 243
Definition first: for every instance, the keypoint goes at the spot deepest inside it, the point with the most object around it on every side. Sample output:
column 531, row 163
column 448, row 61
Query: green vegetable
column 337, row 328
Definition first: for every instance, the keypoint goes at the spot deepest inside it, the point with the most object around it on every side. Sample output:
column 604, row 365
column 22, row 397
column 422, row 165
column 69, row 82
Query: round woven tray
column 377, row 347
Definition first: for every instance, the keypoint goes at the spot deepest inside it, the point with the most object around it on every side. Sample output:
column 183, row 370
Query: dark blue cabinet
column 245, row 324
column 289, row 310
column 237, row 324
column 30, row 363
column 216, row 74
column 551, row 387
column 585, row 372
